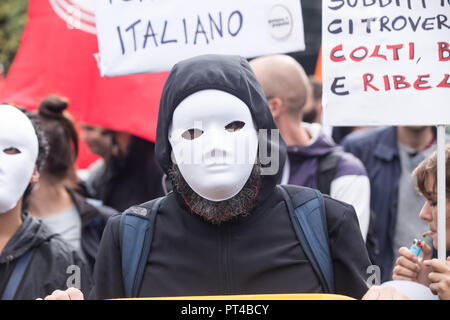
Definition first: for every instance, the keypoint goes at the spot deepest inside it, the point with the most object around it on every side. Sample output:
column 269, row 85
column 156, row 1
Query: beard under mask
column 217, row 212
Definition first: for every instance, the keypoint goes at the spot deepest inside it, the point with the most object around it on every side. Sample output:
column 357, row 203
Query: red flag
column 2, row 79
column 56, row 56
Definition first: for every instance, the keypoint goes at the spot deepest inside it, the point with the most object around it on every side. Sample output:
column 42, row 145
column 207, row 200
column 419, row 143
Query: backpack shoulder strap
column 136, row 233
column 326, row 170
column 307, row 212
column 17, row 275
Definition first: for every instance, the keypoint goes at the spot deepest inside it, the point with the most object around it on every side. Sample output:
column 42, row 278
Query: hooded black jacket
column 47, row 269
column 255, row 254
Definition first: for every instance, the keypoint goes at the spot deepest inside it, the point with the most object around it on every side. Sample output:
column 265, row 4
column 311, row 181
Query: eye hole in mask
column 192, row 134
column 11, row 151
column 234, row 126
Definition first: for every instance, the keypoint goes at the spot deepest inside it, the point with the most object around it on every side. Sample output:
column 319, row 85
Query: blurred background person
column 99, row 142
column 312, row 111
column 33, row 259
column 314, row 160
column 433, row 273
column 58, row 201
column 98, row 139
column 128, row 173
column 390, row 154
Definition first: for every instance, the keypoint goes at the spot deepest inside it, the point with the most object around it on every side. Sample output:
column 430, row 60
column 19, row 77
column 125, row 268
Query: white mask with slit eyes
column 18, row 154
column 214, row 143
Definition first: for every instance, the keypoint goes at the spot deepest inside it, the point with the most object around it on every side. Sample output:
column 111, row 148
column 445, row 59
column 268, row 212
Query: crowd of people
column 202, row 221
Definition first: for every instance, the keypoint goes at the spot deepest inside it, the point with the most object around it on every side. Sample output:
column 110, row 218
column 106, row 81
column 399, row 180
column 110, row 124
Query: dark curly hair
column 61, row 134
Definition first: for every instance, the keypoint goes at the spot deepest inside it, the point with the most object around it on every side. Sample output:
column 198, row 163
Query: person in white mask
column 214, row 172
column 226, row 228
column 18, row 156
column 25, row 244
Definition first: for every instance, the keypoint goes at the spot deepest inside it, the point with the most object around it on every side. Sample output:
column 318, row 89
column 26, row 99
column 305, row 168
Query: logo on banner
column 280, row 22
column 78, row 14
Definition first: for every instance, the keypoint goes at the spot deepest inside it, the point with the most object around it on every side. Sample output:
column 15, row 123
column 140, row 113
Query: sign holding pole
column 441, row 194
column 151, row 36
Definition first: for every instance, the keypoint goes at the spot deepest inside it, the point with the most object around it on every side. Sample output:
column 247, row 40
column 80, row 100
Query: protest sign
column 143, row 36
column 386, row 62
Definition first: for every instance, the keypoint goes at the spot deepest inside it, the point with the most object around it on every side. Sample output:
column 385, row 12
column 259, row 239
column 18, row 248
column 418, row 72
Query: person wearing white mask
column 33, row 260
column 226, row 227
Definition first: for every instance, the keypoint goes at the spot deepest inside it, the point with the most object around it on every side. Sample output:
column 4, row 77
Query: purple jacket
column 303, row 161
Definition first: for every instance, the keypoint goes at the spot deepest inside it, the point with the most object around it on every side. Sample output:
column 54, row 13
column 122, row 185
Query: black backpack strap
column 136, row 233
column 307, row 211
column 326, row 169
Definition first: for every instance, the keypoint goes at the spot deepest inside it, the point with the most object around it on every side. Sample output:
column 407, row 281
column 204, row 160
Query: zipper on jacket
column 225, row 258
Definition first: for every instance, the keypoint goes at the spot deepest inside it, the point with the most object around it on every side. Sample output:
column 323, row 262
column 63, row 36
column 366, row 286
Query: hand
column 439, row 277
column 69, row 294
column 410, row 267
column 384, row 293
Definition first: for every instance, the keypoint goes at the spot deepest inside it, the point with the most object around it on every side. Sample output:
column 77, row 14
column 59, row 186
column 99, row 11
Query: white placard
column 144, row 36
column 386, row 62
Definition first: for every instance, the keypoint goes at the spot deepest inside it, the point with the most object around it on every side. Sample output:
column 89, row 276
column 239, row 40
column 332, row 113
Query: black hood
column 231, row 74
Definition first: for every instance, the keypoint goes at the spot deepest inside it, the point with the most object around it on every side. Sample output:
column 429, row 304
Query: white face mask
column 214, row 143
column 18, row 154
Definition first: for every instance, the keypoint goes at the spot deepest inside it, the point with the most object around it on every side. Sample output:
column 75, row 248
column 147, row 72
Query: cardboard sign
column 144, row 36
column 386, row 62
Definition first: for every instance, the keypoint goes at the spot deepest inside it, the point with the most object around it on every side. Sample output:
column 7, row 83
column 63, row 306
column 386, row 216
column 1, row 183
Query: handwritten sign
column 386, row 62
column 139, row 36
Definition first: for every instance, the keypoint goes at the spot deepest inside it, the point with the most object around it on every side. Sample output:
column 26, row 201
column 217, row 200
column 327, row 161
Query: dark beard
column 217, row 212
column 310, row 116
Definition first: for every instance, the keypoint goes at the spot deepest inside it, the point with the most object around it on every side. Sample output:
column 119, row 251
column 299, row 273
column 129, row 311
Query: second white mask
column 18, row 153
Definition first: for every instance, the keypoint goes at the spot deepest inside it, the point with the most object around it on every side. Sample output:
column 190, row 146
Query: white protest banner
column 386, row 62
column 140, row 36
